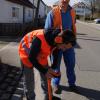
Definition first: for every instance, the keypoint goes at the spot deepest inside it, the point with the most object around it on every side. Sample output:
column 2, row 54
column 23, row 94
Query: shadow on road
column 81, row 34
column 88, row 93
column 10, row 39
column 84, row 36
column 55, row 98
column 89, row 39
column 77, row 46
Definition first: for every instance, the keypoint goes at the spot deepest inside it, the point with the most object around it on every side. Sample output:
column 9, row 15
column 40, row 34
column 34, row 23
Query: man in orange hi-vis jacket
column 34, row 49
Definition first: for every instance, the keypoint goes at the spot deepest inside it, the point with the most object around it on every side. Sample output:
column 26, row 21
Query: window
column 15, row 12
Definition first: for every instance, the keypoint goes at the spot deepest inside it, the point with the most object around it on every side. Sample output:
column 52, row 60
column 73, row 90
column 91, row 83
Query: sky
column 50, row 2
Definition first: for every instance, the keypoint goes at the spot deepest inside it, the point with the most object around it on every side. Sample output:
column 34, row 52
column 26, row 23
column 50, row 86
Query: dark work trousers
column 29, row 83
column 44, row 86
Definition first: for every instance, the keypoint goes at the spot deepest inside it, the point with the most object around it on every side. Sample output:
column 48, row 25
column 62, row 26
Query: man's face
column 64, row 3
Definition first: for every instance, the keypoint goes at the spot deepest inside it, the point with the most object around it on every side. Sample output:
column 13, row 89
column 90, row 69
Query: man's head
column 55, row 36
column 65, row 37
column 64, row 4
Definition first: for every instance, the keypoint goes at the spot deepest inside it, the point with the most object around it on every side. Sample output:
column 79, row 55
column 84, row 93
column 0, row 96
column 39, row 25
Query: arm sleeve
column 34, row 50
column 49, row 20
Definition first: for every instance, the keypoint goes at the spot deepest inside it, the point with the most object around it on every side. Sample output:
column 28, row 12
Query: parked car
column 97, row 21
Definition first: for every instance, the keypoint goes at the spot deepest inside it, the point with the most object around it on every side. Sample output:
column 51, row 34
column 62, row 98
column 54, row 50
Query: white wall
column 80, row 11
column 28, row 17
column 6, row 12
column 42, row 10
column 35, row 3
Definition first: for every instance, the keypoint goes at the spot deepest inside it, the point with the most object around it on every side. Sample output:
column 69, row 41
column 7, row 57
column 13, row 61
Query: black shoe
column 56, row 98
column 57, row 90
column 73, row 89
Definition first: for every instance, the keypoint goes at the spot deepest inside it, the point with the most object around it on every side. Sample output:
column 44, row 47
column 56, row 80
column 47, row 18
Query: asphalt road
column 87, row 64
column 89, row 42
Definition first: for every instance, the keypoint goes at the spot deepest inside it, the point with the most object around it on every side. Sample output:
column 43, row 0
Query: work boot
column 56, row 90
column 73, row 89
column 46, row 98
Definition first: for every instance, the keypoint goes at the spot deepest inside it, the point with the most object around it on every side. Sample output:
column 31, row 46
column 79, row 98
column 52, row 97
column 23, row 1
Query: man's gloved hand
column 51, row 73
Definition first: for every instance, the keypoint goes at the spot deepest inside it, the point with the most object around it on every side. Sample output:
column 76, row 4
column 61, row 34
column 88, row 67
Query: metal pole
column 23, row 24
column 84, row 11
column 33, row 9
column 36, row 14
column 23, row 14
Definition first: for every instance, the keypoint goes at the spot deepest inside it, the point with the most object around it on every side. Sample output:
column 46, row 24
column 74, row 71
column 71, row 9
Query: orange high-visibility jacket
column 58, row 21
column 24, row 48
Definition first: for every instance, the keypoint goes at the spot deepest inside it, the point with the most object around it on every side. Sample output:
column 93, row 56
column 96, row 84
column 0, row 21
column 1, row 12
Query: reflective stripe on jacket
column 58, row 21
column 24, row 48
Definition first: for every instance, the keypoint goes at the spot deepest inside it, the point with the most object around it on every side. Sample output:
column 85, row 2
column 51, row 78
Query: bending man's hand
column 51, row 73
column 65, row 46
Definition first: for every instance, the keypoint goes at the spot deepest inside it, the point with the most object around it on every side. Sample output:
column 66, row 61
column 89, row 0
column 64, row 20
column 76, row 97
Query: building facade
column 15, row 12
column 94, row 6
column 16, row 17
column 82, row 9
